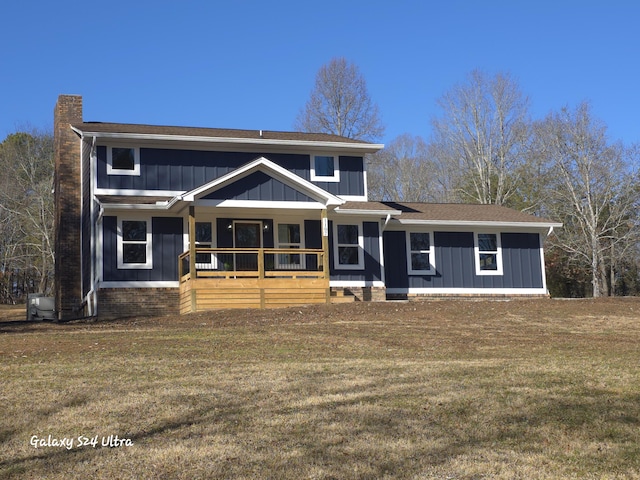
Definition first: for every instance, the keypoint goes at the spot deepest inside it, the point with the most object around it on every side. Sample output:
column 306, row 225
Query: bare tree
column 480, row 140
column 340, row 104
column 595, row 193
column 26, row 206
column 403, row 172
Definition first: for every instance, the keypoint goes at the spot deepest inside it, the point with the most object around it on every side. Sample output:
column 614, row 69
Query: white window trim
column 336, row 256
column 118, row 171
column 320, row 178
column 431, row 251
column 476, row 250
column 135, row 266
column 280, row 244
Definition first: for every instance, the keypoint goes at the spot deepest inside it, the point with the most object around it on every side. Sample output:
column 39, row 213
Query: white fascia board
column 129, row 206
column 376, row 213
column 335, row 146
column 478, row 223
column 276, row 205
column 272, row 168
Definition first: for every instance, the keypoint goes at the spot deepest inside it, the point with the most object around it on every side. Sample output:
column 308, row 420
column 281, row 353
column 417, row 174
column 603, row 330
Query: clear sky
column 252, row 64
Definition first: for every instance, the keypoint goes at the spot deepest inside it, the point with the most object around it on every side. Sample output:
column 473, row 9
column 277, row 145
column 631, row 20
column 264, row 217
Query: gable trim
column 270, row 168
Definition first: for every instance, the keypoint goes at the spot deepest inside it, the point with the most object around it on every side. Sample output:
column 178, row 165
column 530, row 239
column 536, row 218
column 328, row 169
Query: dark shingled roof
column 450, row 212
column 126, row 128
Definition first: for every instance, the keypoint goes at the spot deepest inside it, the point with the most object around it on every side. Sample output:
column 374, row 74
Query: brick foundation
column 363, row 294
column 132, row 302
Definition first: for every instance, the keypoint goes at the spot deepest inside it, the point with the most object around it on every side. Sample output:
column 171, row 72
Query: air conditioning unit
column 40, row 307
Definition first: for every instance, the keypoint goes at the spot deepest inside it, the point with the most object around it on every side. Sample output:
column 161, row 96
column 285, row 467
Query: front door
column 247, row 235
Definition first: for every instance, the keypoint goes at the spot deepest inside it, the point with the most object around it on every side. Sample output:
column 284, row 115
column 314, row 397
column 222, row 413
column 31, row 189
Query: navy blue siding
column 166, row 246
column 184, row 170
column 372, row 256
column 259, row 186
column 351, row 178
column 455, row 262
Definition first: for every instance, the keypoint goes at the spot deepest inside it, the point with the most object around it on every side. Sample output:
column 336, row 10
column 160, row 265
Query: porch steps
column 338, row 296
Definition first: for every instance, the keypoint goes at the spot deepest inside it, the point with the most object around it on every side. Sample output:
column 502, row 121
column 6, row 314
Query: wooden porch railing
column 233, row 263
column 252, row 278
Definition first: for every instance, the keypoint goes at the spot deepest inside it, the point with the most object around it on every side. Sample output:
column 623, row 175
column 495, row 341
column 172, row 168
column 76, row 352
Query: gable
column 259, row 185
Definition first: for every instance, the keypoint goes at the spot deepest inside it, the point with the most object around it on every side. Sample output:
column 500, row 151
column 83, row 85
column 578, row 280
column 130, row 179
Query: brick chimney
column 67, row 184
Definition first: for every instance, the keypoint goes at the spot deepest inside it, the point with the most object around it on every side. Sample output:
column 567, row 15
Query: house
column 158, row 219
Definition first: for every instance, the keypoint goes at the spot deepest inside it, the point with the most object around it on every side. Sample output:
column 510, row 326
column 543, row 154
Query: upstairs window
column 488, row 253
column 420, row 253
column 325, row 168
column 348, row 247
column 123, row 161
column 134, row 244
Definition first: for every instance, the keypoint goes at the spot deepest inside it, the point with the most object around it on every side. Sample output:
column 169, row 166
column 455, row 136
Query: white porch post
column 325, row 248
column 192, row 256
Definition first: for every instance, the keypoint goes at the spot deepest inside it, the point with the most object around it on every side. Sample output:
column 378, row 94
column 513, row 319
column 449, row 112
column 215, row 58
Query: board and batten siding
column 455, row 262
column 183, row 170
column 166, row 243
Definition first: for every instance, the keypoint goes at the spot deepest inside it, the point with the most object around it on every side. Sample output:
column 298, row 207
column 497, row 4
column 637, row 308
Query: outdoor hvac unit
column 40, row 307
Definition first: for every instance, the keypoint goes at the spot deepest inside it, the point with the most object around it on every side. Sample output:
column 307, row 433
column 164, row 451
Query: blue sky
column 252, row 64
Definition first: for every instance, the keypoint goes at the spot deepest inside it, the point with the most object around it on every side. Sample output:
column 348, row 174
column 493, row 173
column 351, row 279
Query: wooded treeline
column 26, row 215
column 484, row 148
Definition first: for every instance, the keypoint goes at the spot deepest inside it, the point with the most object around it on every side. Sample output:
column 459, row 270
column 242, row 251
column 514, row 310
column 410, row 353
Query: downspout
column 386, row 221
column 91, row 299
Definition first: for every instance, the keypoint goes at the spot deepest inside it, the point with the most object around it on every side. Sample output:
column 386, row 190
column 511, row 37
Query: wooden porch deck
column 252, row 278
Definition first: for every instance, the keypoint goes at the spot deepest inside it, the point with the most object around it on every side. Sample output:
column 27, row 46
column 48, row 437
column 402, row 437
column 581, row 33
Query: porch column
column 192, row 255
column 324, row 225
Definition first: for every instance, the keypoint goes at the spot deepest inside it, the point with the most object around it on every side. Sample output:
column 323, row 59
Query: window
column 289, row 236
column 488, row 254
column 123, row 161
column 348, row 247
column 325, row 168
column 134, row 244
column 420, row 253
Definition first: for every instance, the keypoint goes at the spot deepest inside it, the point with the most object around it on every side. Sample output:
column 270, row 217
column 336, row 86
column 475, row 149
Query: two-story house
column 158, row 219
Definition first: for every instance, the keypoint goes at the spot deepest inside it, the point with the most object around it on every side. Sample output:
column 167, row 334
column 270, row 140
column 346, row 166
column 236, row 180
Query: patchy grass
column 442, row 389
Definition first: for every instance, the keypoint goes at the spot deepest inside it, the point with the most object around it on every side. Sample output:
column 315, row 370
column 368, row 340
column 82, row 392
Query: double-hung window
column 348, row 246
column 134, row 244
column 488, row 253
column 123, row 161
column 325, row 168
column 420, row 253
column 289, row 237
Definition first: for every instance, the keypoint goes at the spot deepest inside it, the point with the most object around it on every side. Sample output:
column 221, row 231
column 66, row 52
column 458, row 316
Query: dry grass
column 457, row 390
